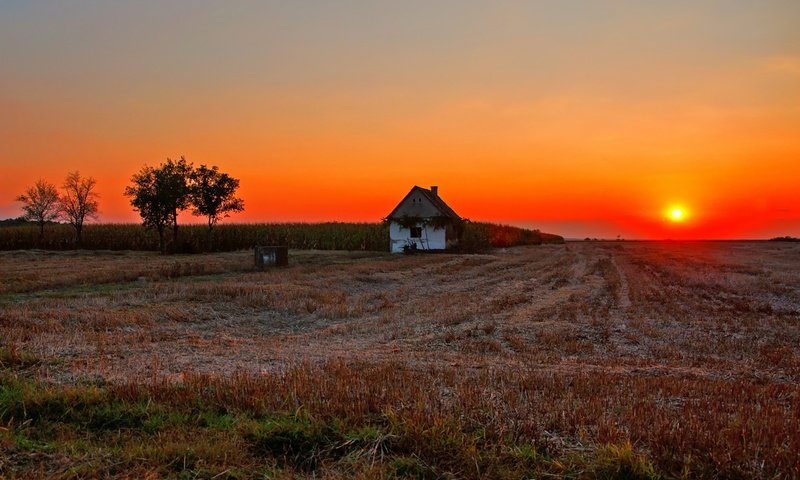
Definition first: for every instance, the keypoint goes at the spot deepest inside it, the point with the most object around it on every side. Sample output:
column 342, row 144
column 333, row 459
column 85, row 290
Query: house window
column 416, row 232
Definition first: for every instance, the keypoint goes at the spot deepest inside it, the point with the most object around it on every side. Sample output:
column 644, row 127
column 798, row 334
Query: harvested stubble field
column 583, row 360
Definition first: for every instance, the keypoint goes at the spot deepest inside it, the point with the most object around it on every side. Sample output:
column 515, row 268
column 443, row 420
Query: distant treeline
column 20, row 221
column 193, row 238
column 784, row 239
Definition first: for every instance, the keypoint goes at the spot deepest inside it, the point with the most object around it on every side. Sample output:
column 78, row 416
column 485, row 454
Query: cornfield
column 225, row 238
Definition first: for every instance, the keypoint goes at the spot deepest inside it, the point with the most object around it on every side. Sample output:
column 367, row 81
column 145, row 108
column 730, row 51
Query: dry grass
column 649, row 358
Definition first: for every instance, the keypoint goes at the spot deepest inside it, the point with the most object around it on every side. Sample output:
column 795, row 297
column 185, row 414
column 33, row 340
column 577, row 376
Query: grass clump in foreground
column 92, row 431
column 10, row 357
column 382, row 421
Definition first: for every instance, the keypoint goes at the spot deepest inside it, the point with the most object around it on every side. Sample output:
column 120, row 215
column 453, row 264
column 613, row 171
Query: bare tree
column 40, row 204
column 79, row 201
column 212, row 195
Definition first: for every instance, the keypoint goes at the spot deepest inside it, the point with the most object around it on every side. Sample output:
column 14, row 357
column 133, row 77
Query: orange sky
column 580, row 118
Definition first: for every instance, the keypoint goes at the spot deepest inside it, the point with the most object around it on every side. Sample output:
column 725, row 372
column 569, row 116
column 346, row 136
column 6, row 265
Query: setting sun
column 676, row 214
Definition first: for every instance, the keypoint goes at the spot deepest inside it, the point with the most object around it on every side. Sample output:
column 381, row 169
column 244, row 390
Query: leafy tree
column 146, row 199
column 40, row 204
column 212, row 195
column 79, row 201
column 175, row 177
column 158, row 194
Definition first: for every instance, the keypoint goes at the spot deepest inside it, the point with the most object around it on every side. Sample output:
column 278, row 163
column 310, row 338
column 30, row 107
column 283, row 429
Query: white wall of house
column 431, row 238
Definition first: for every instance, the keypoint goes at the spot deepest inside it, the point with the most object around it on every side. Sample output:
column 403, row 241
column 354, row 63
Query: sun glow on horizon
column 676, row 214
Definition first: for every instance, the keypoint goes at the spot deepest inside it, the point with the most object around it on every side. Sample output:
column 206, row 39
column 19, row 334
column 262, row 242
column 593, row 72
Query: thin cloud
column 784, row 64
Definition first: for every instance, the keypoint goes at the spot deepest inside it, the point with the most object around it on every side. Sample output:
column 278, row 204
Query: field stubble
column 690, row 351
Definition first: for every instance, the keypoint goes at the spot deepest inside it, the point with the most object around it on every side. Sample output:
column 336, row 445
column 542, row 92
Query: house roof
column 443, row 208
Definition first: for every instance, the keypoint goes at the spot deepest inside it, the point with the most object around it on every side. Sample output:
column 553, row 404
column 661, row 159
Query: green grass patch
column 102, row 435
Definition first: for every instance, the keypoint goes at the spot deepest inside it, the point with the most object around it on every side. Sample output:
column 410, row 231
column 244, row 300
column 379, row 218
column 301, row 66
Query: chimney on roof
column 435, row 190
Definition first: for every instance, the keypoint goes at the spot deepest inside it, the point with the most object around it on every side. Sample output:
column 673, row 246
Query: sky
column 581, row 118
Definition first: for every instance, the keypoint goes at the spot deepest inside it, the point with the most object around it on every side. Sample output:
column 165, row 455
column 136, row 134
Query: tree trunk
column 210, row 235
column 175, row 228
column 41, row 230
column 161, row 245
column 78, row 239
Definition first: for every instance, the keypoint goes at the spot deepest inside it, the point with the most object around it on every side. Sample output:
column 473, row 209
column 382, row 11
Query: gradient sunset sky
column 582, row 118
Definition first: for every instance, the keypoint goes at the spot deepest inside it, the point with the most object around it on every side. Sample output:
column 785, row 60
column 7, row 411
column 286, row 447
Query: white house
column 422, row 221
